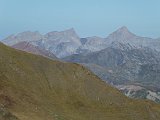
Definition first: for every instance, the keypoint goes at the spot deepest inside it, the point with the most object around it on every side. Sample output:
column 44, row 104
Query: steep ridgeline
column 28, row 47
column 122, row 64
column 36, row 88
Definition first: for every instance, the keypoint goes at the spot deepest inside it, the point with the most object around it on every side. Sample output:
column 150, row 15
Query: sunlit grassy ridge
column 36, row 88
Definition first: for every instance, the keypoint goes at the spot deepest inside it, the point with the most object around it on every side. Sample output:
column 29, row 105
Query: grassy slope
column 36, row 88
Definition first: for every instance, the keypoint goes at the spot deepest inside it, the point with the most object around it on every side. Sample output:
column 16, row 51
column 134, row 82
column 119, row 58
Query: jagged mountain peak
column 64, row 36
column 71, row 30
column 123, row 28
column 61, row 43
column 121, row 34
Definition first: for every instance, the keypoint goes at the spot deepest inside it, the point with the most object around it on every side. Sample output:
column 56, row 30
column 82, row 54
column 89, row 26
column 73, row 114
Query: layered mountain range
column 66, row 43
column 33, row 87
column 61, row 44
column 128, row 62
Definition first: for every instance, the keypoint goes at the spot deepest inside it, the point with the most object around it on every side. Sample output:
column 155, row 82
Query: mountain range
column 122, row 59
column 66, row 43
column 33, row 87
column 123, row 65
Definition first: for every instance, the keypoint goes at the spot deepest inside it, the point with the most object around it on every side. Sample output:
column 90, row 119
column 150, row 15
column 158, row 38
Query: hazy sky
column 88, row 17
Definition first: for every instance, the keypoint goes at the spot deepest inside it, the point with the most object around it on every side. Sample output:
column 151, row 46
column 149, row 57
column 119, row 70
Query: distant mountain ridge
column 66, row 43
column 123, row 35
column 61, row 44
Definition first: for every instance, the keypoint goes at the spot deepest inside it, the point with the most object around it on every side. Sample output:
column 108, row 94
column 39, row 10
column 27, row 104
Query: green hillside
column 36, row 88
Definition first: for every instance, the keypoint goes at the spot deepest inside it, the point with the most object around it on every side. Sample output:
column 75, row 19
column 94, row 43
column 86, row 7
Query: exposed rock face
column 135, row 91
column 62, row 44
column 122, row 34
column 122, row 64
column 28, row 47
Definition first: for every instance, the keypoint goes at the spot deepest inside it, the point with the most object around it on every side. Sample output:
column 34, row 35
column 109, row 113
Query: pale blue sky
column 88, row 17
